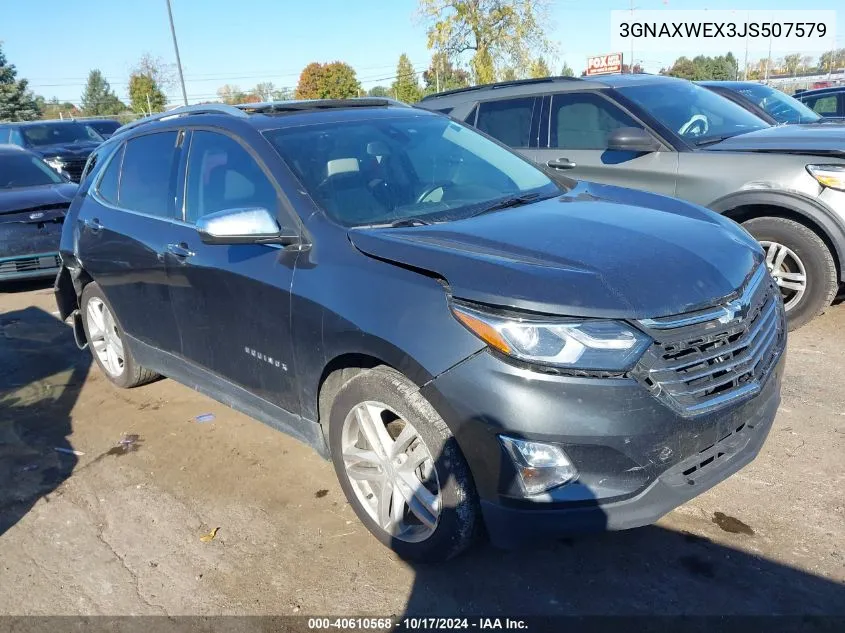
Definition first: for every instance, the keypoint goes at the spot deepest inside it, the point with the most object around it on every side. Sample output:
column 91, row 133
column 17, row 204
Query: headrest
column 341, row 166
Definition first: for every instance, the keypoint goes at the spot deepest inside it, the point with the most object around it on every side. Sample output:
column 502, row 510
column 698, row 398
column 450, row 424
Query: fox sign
column 604, row 64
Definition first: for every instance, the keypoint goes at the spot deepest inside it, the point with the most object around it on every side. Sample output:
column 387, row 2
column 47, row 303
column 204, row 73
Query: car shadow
column 649, row 571
column 26, row 285
column 41, row 375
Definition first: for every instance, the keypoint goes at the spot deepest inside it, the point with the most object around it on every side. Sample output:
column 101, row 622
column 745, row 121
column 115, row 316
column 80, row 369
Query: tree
column 497, row 32
column 567, row 71
column 832, row 60
column 231, row 94
column 282, row 94
column 406, row 87
column 443, row 75
column 379, row 91
column 53, row 109
column 336, row 80
column 539, row 68
column 264, row 91
column 721, row 68
column 791, row 63
column 17, row 103
column 806, row 62
column 145, row 95
column 508, row 73
column 98, row 98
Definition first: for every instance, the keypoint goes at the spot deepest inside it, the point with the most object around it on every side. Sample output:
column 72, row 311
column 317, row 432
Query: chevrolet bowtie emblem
column 733, row 312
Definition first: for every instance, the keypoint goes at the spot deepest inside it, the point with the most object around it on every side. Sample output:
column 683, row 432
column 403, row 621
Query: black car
column 467, row 339
column 770, row 104
column 826, row 102
column 33, row 203
column 103, row 127
column 64, row 145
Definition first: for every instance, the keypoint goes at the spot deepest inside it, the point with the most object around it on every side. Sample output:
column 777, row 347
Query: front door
column 232, row 302
column 576, row 145
column 123, row 225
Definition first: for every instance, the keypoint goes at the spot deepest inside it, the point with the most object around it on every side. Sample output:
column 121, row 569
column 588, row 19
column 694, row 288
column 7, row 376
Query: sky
column 55, row 43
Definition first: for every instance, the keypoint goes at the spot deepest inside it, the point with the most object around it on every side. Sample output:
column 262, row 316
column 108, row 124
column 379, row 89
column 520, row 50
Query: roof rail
column 500, row 84
column 270, row 107
column 200, row 108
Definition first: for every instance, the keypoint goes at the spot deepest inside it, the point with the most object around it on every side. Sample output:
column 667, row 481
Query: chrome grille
column 704, row 360
column 73, row 167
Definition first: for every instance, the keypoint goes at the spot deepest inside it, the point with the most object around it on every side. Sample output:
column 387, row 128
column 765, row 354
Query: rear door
column 124, row 224
column 575, row 143
column 232, row 302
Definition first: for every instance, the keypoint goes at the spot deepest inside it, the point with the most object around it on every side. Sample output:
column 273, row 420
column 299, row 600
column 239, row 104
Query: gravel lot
column 117, row 529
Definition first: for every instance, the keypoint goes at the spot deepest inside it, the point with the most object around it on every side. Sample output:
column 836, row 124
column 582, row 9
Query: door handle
column 180, row 250
column 561, row 163
column 93, row 225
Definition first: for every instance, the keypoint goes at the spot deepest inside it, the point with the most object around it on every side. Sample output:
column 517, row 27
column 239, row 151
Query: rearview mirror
column 632, row 139
column 243, row 226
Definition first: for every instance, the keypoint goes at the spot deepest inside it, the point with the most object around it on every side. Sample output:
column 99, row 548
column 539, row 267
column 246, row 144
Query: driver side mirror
column 632, row 139
column 243, row 226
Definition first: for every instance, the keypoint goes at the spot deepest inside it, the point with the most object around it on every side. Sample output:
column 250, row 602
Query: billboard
column 604, row 64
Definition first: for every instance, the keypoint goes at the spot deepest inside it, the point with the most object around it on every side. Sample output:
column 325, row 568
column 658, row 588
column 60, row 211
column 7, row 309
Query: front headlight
column 832, row 176
column 590, row 344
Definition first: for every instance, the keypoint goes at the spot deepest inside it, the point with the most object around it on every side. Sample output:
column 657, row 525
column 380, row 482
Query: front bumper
column 637, row 459
column 37, row 266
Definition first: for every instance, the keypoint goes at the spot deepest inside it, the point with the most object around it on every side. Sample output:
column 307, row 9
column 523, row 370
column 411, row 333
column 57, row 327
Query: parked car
column 33, row 202
column 64, row 145
column 826, row 102
column 103, row 127
column 464, row 337
column 784, row 184
column 770, row 104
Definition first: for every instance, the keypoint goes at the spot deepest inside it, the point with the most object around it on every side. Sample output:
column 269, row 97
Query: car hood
column 36, row 198
column 808, row 138
column 597, row 250
column 66, row 150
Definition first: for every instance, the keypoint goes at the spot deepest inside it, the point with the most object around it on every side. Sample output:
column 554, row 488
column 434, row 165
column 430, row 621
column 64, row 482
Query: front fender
column 806, row 207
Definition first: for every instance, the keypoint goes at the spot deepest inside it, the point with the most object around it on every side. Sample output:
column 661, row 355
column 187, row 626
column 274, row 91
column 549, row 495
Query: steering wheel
column 431, row 189
column 696, row 126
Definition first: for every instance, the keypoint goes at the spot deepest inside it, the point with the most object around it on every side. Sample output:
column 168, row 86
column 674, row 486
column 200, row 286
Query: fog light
column 541, row 466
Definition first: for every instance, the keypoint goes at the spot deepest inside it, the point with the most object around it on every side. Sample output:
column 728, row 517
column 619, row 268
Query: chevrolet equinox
column 469, row 341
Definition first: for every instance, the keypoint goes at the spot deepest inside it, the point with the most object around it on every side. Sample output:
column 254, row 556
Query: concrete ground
column 116, row 529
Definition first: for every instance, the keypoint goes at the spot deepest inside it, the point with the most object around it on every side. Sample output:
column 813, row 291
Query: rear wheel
column 106, row 341
column 801, row 265
column 401, row 468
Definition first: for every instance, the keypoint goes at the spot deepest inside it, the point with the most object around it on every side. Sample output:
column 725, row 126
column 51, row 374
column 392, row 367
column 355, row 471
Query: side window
column 16, row 138
column 473, row 114
column 508, row 120
column 223, row 175
column 107, row 189
column 825, row 106
column 148, row 175
column 584, row 121
column 4, row 135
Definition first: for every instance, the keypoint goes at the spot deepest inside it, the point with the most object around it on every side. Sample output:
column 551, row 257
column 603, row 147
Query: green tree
column 497, row 33
column 567, row 71
column 379, row 91
column 442, row 74
column 508, row 73
column 832, row 60
column 145, row 95
column 791, row 63
column 98, row 98
column 310, row 80
column 406, row 87
column 17, row 103
column 54, row 109
column 539, row 68
column 700, row 68
column 336, row 80
column 283, row 94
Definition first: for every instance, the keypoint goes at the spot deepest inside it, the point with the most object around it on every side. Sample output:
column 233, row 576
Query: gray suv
column 785, row 185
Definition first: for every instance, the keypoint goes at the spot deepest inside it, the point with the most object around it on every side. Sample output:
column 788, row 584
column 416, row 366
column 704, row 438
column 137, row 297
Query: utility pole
column 768, row 60
column 149, row 107
column 176, row 48
column 631, row 63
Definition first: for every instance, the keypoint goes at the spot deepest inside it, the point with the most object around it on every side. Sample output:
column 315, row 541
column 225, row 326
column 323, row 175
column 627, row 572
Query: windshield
column 383, row 170
column 782, row 107
column 104, row 127
column 58, row 133
column 696, row 114
column 21, row 169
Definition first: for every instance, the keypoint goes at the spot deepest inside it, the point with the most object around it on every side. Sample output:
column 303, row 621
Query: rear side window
column 107, row 189
column 147, row 179
column 584, row 121
column 223, row 175
column 508, row 120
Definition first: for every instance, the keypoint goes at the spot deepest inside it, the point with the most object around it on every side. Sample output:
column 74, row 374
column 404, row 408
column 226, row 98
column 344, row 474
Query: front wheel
column 801, row 265
column 401, row 468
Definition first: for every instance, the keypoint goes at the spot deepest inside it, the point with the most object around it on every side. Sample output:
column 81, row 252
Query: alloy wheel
column 788, row 271
column 391, row 471
column 104, row 337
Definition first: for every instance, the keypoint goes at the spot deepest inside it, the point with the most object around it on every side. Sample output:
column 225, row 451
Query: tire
column 812, row 253
column 458, row 520
column 130, row 374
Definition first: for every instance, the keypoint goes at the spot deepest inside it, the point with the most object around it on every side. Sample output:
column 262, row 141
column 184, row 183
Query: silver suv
column 785, row 185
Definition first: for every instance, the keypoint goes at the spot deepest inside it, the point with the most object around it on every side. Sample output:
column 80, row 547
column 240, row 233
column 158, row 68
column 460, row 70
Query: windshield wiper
column 408, row 222
column 507, row 203
column 714, row 139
